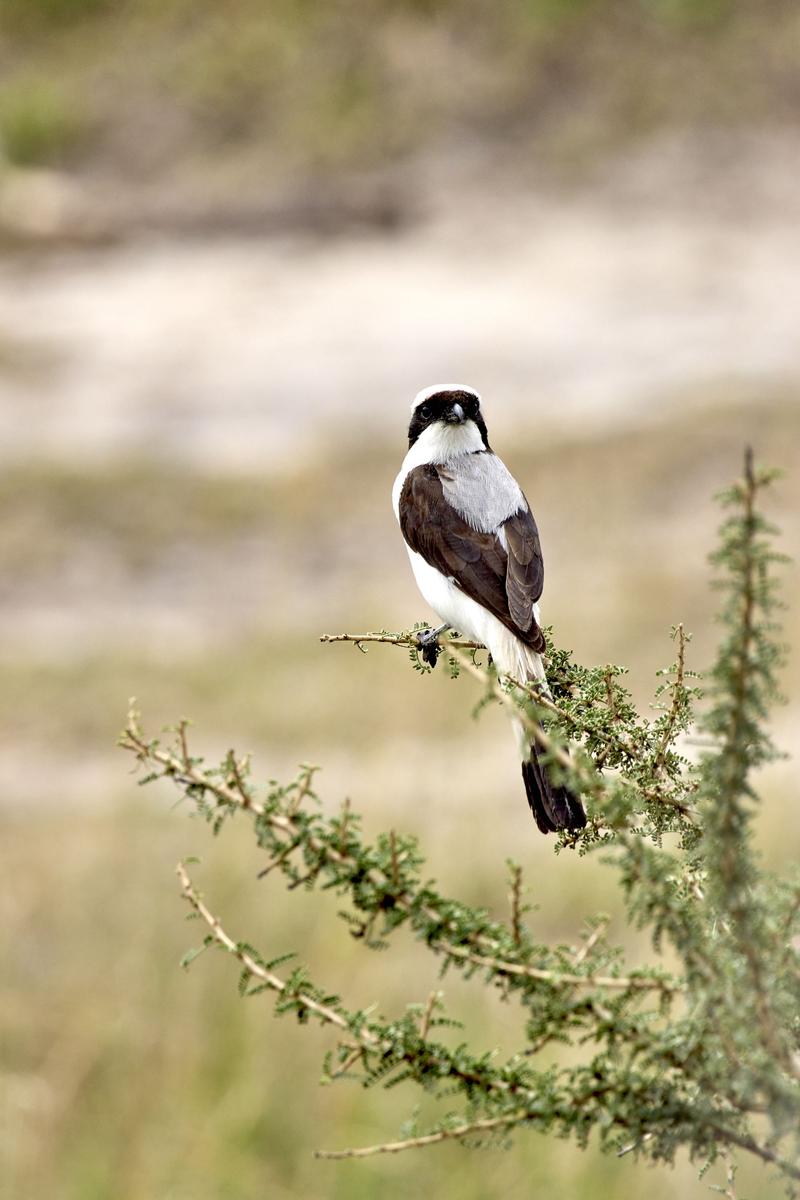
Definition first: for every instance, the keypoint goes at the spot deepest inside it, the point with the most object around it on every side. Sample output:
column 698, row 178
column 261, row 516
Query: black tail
column 553, row 807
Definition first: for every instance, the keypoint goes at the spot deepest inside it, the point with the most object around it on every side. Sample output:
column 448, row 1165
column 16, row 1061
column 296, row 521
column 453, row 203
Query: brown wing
column 505, row 582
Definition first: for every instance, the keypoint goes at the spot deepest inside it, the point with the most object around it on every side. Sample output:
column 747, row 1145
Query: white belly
column 451, row 605
column 473, row 621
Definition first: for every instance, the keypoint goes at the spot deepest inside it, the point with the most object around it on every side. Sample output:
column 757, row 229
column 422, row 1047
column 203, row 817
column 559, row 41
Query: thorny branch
column 515, row 901
column 325, row 1013
column 676, row 688
column 371, row 1042
column 457, row 1132
column 187, row 772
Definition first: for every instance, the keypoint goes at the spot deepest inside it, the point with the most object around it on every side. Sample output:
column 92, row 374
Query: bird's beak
column 455, row 414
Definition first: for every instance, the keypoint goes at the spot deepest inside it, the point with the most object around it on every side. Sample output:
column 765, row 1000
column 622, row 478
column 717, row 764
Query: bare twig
column 589, row 943
column 396, row 639
column 634, row 1145
column 277, row 859
column 238, row 781
column 303, row 790
column 730, row 1178
column 429, row 1139
column 566, row 978
column 765, row 1153
column 351, row 1060
column 182, row 727
column 517, row 1118
column 608, row 680
column 425, row 1022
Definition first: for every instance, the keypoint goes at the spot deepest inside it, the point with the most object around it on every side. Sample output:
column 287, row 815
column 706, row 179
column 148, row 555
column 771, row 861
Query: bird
column 477, row 559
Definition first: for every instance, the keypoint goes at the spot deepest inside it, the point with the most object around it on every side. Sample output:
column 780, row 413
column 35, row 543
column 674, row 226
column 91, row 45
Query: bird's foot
column 428, row 644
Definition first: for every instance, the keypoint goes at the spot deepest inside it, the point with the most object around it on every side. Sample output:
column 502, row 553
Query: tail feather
column 553, row 807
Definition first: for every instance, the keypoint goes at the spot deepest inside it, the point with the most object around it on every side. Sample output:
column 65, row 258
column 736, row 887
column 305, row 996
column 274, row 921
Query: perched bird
column 475, row 553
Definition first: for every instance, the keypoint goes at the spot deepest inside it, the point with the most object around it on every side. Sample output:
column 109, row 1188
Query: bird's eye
column 425, row 411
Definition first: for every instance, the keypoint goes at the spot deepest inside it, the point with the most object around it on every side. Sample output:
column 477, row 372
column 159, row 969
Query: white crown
column 434, row 390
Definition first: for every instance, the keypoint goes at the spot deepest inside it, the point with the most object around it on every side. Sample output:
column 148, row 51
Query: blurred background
column 235, row 240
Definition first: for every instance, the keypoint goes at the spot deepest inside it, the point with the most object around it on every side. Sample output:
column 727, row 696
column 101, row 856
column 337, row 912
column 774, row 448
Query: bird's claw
column 428, row 645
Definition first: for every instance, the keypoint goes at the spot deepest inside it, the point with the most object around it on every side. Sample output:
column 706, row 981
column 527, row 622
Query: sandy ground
column 608, row 302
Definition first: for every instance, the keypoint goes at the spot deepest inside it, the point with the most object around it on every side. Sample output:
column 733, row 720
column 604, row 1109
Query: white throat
column 442, row 441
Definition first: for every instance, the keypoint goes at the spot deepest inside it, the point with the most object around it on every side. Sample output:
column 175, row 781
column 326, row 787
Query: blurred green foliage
column 37, row 123
column 303, row 87
column 691, row 14
column 29, row 15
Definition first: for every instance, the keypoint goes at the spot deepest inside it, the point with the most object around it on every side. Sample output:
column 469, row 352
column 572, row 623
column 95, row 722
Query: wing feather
column 505, row 578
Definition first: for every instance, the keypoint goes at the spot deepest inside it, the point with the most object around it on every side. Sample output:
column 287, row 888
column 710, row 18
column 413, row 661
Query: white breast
column 447, row 446
column 454, row 608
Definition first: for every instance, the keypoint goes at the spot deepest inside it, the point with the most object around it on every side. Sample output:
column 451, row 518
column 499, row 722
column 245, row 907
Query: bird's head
column 449, row 414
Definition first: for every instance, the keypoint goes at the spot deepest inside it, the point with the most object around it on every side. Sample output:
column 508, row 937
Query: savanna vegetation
column 120, row 1072
column 695, row 1048
column 141, row 558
